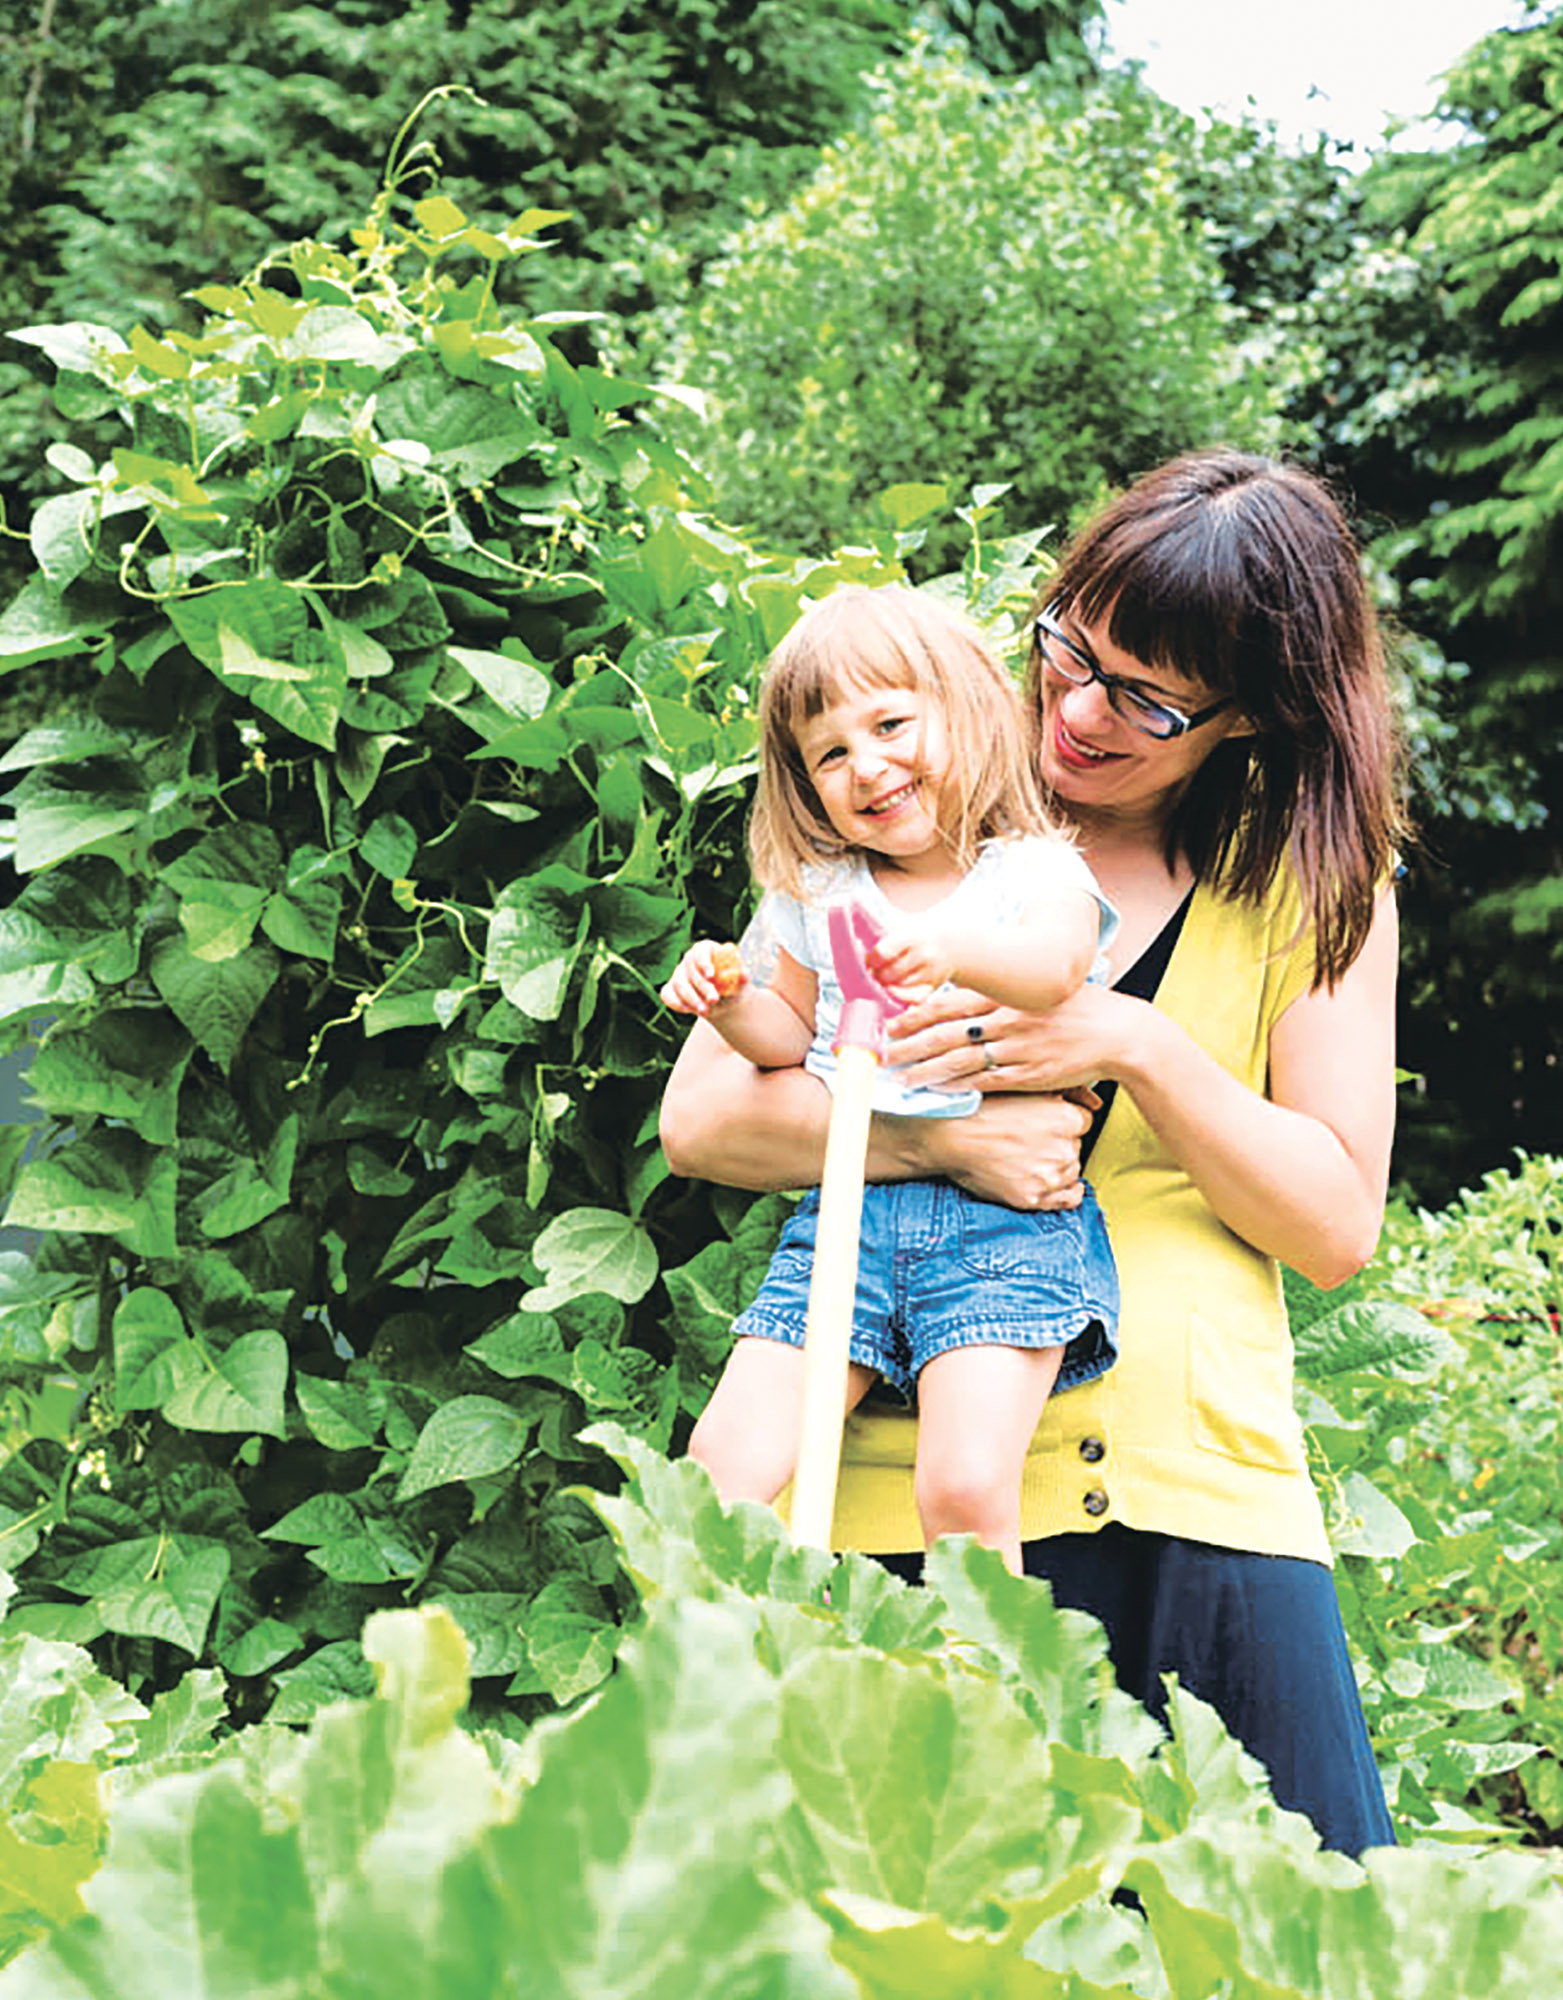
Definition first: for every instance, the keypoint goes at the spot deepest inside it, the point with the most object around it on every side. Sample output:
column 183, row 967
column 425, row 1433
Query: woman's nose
column 1085, row 707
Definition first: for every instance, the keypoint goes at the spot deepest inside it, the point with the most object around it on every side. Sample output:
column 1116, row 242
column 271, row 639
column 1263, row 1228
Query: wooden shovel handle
column 832, row 1289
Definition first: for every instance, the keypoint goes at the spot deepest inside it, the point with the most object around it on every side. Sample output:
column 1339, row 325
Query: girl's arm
column 1301, row 1173
column 1032, row 965
column 772, row 1026
column 725, row 1121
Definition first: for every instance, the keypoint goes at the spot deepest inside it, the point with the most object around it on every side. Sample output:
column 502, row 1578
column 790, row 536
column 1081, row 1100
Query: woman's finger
column 944, row 1030
column 947, row 1004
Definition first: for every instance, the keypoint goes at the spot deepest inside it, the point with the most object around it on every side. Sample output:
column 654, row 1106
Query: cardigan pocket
column 1240, row 1398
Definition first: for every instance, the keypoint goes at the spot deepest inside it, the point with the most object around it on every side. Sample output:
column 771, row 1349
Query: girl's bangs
column 822, row 675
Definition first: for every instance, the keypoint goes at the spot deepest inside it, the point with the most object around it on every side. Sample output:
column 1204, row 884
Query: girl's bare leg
column 977, row 1409
column 747, row 1436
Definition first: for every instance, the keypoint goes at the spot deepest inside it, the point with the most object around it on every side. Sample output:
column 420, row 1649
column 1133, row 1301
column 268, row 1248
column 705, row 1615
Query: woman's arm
column 725, row 1121
column 1300, row 1173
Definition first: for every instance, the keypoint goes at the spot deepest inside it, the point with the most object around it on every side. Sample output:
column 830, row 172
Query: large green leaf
column 251, row 1190
column 1367, row 1522
column 106, row 1182
column 1373, row 1335
column 66, row 741
column 223, row 882
column 216, row 1000
column 357, row 1540
column 153, row 1353
column 344, row 1416
column 63, row 808
column 125, row 1063
column 303, row 915
column 620, row 1873
column 534, row 938
column 470, row 431
column 66, row 926
column 515, row 686
column 675, row 1536
column 237, row 1390
column 153, row 1586
column 591, row 1250
column 470, row 1437
column 970, row 1830
column 1050, row 1657
column 36, row 625
column 268, row 617
column 570, row 1641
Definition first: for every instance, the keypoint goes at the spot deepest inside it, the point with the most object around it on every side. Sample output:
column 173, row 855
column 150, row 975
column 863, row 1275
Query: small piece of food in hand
column 727, row 969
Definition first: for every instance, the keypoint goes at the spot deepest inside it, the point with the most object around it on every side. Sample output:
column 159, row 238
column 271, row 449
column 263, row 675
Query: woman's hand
column 725, row 1121
column 1021, row 1151
column 1085, row 1038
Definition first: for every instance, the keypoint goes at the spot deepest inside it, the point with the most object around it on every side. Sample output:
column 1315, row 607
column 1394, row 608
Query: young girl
column 895, row 771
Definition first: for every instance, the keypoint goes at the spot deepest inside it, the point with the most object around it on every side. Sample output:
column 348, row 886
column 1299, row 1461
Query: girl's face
column 1096, row 761
column 878, row 758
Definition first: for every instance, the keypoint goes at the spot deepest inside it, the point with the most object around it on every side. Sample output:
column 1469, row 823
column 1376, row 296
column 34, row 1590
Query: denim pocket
column 995, row 1242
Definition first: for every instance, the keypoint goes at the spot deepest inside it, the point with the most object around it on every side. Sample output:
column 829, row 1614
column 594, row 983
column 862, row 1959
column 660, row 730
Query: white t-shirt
column 1010, row 877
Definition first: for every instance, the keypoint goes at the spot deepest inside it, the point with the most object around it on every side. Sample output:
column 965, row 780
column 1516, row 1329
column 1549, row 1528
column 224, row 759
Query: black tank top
column 1141, row 981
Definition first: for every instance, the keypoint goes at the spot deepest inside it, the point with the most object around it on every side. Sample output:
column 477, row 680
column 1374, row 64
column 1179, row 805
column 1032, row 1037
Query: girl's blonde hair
column 897, row 637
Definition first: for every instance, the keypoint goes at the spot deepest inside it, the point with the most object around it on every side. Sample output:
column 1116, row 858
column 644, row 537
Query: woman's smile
column 1071, row 750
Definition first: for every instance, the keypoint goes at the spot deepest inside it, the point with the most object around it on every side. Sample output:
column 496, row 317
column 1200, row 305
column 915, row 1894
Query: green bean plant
column 416, row 747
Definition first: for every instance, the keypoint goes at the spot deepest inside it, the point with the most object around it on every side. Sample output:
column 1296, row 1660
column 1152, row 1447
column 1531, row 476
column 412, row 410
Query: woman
column 1212, row 716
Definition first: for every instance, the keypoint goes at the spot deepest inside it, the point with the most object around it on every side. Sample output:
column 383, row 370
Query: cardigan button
column 1095, row 1502
column 1092, row 1450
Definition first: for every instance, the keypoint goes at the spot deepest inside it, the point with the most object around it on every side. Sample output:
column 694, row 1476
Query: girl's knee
column 742, row 1464
column 968, row 1496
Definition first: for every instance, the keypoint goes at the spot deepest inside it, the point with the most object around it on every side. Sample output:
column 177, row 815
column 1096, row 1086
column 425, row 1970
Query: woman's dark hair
column 1240, row 573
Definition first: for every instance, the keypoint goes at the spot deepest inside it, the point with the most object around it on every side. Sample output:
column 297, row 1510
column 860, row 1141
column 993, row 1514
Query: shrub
column 987, row 281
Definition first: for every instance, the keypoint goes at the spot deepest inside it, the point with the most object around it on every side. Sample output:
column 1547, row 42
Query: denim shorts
column 938, row 1269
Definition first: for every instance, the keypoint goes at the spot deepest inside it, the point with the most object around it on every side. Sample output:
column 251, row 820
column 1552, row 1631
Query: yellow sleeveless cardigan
column 1193, row 1432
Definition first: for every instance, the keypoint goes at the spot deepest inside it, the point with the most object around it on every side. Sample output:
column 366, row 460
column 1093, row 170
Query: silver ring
column 974, row 1031
column 988, row 1061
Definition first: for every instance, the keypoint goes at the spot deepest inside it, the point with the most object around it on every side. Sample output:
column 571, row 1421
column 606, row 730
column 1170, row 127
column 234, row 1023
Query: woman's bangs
column 1163, row 601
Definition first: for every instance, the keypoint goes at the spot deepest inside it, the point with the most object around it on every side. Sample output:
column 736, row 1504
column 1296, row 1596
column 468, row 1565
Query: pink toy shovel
column 858, row 1046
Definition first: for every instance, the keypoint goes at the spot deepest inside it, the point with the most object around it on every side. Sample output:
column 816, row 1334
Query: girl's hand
column 911, row 959
column 705, row 976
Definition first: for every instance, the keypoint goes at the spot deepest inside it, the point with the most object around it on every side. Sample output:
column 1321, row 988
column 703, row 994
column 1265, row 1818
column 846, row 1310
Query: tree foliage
column 152, row 144
column 1437, row 392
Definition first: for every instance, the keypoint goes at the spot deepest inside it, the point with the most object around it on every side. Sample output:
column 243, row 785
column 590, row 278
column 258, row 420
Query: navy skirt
column 1258, row 1637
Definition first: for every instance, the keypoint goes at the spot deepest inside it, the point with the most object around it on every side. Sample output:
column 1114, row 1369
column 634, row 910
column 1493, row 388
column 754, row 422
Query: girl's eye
column 829, row 757
column 892, row 723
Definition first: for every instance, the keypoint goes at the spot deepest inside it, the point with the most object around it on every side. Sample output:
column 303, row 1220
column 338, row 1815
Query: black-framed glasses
column 1071, row 662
